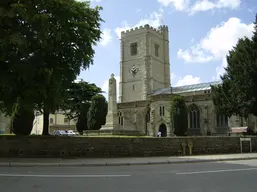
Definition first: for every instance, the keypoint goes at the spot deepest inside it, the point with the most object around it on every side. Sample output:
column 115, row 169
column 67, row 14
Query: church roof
column 186, row 88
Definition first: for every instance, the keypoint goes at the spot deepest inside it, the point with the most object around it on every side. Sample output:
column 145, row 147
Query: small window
column 51, row 121
column 133, row 48
column 133, row 87
column 156, row 49
column 66, row 120
column 162, row 111
column 120, row 118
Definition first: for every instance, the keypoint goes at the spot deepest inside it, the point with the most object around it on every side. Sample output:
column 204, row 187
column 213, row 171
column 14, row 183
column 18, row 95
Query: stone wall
column 49, row 146
column 112, row 132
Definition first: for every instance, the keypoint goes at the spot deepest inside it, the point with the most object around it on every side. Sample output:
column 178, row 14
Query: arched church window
column 194, row 117
column 120, row 116
column 221, row 121
column 162, row 111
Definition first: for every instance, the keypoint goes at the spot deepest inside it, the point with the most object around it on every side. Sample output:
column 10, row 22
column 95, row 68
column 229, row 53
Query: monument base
column 111, row 122
column 108, row 127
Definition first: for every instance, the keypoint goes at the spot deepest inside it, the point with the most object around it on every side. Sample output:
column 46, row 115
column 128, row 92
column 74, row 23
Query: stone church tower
column 145, row 91
column 144, row 62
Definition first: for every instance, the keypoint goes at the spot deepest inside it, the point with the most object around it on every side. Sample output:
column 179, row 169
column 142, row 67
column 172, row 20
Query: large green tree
column 78, row 101
column 178, row 115
column 97, row 112
column 237, row 95
column 44, row 45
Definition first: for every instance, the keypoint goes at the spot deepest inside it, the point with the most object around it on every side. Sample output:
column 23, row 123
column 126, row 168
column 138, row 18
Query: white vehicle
column 65, row 133
column 70, row 133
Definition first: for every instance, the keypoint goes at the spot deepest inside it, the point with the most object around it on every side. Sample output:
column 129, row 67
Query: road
column 230, row 176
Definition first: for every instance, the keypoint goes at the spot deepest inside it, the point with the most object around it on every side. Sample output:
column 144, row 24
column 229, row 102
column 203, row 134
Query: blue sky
column 200, row 32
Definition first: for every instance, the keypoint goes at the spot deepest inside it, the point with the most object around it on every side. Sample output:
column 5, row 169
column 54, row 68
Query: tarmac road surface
column 226, row 176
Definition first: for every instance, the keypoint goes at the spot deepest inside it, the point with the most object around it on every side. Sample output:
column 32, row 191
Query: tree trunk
column 46, row 122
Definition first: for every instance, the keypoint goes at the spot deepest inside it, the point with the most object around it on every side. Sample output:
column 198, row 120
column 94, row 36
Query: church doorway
column 163, row 130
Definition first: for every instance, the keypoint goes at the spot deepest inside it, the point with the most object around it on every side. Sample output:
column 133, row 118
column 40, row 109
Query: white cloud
column 207, row 5
column 194, row 54
column 192, row 7
column 180, row 5
column 105, row 87
column 188, row 80
column 125, row 26
column 138, row 10
column 106, row 37
column 217, row 42
column 155, row 20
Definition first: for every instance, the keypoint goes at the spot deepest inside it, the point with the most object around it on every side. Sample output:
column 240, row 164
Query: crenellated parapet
column 160, row 30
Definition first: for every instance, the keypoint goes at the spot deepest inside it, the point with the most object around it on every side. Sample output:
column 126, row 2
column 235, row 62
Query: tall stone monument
column 112, row 117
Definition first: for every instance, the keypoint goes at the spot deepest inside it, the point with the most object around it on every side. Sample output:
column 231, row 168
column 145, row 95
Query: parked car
column 65, row 133
column 60, row 133
column 70, row 133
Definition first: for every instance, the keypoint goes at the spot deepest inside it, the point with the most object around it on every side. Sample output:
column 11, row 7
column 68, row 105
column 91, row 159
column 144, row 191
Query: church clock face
column 134, row 70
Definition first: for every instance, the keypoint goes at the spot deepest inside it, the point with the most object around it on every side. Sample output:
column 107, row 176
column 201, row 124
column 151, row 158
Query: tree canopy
column 237, row 95
column 97, row 112
column 43, row 47
column 78, row 97
column 78, row 101
column 178, row 115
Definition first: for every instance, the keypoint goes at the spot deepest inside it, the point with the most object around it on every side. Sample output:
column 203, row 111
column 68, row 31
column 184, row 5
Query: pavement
column 222, row 176
column 51, row 162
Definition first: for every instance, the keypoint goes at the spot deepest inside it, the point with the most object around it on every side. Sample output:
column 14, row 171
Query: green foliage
column 97, row 112
column 178, row 115
column 43, row 47
column 223, row 102
column 81, row 124
column 79, row 97
column 78, row 101
column 237, row 95
column 22, row 122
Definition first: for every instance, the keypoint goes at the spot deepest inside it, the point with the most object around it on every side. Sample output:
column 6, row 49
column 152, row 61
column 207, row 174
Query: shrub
column 178, row 115
column 97, row 112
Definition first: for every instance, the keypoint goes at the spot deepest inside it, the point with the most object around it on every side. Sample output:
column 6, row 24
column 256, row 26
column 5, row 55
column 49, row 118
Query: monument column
column 111, row 118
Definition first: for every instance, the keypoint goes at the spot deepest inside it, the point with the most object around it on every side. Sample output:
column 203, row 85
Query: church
column 145, row 90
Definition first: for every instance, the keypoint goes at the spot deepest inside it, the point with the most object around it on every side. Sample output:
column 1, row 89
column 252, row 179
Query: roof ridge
column 185, row 88
column 210, row 82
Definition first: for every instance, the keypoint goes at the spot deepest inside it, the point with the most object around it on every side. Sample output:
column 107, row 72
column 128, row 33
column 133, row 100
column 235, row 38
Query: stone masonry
column 145, row 90
column 61, row 147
